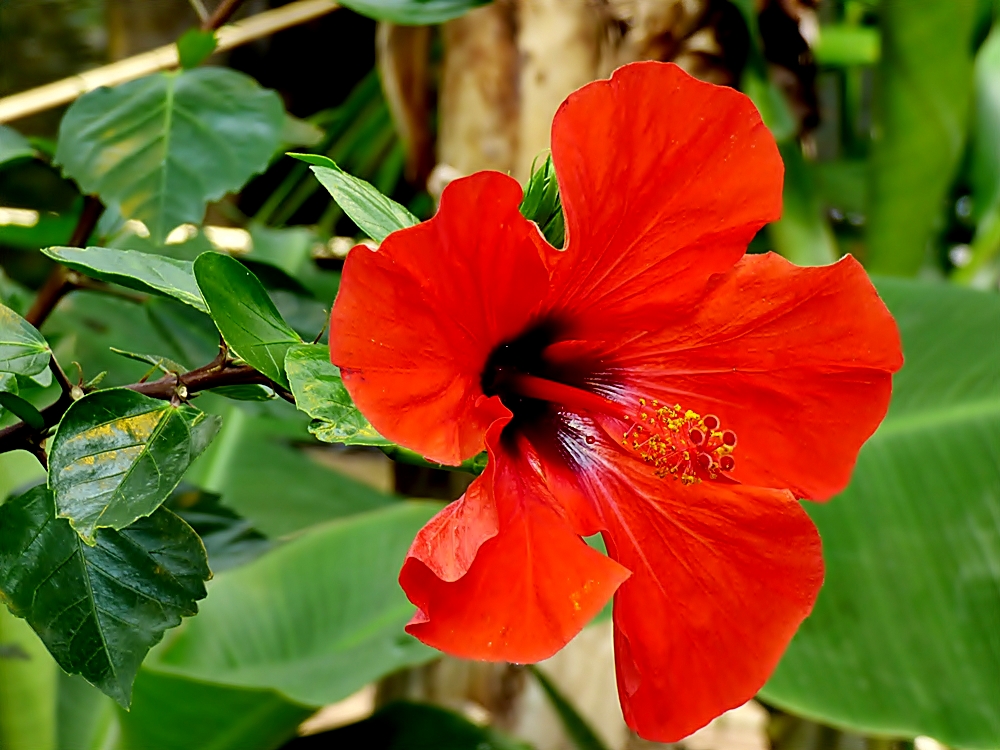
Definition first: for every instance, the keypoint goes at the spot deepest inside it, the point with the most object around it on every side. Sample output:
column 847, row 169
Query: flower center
column 673, row 441
column 680, row 443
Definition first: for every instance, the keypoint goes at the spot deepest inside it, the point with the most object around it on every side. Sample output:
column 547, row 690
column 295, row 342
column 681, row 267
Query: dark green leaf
column 172, row 713
column 577, row 728
column 905, row 636
column 22, row 409
column 98, row 609
column 117, row 455
column 13, row 146
column 145, row 272
column 375, row 214
column 229, row 540
column 195, row 46
column 411, row 726
column 163, row 146
column 924, row 87
column 340, row 620
column 413, row 12
column 245, row 315
column 321, row 394
column 23, row 350
column 542, row 205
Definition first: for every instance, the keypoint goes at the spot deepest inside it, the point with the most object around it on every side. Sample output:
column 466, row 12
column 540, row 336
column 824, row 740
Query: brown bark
column 478, row 98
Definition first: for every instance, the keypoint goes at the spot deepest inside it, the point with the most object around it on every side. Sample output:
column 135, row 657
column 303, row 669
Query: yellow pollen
column 681, row 443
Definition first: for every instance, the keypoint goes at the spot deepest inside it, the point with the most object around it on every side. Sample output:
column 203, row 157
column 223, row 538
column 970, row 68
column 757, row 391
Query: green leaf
column 244, row 392
column 408, row 726
column 905, row 636
column 172, row 713
column 577, row 728
column 413, row 12
column 13, row 146
column 87, row 718
column 985, row 161
column 923, row 93
column 339, row 624
column 22, row 409
column 117, row 455
column 144, row 272
column 156, row 362
column 321, row 394
column 195, row 46
column 542, row 205
column 245, row 315
column 253, row 461
column 98, row 609
column 163, row 146
column 23, row 350
column 229, row 540
column 802, row 234
column 375, row 214
column 27, row 688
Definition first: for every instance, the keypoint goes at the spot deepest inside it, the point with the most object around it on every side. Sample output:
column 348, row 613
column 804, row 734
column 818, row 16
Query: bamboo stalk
column 52, row 95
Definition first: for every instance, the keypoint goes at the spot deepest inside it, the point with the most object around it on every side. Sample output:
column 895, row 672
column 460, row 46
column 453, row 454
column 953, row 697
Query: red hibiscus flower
column 650, row 382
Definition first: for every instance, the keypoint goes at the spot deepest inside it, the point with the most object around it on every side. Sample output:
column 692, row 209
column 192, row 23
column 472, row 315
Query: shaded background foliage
column 887, row 114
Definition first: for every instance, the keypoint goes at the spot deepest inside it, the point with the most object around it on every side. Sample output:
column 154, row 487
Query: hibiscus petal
column 664, row 181
column 530, row 588
column 415, row 321
column 798, row 362
column 722, row 576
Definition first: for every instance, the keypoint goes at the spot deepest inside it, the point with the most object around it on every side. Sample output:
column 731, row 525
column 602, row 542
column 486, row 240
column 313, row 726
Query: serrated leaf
column 117, row 455
column 905, row 636
column 23, row 350
column 163, row 146
column 375, row 214
column 340, row 622
column 13, row 146
column 98, row 609
column 413, row 12
column 247, row 318
column 144, row 272
column 195, row 46
column 320, row 393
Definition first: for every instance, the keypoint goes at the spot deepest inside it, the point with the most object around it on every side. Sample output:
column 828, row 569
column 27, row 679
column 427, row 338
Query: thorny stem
column 217, row 373
column 223, row 12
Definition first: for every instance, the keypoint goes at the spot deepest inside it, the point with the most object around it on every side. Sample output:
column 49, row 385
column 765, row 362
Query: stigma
column 679, row 443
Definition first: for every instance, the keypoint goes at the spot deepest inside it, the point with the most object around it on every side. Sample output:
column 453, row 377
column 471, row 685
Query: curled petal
column 798, row 362
column 530, row 588
column 664, row 180
column 415, row 321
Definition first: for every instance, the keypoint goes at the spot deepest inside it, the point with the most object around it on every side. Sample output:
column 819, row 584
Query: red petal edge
column 531, row 586
column 415, row 320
